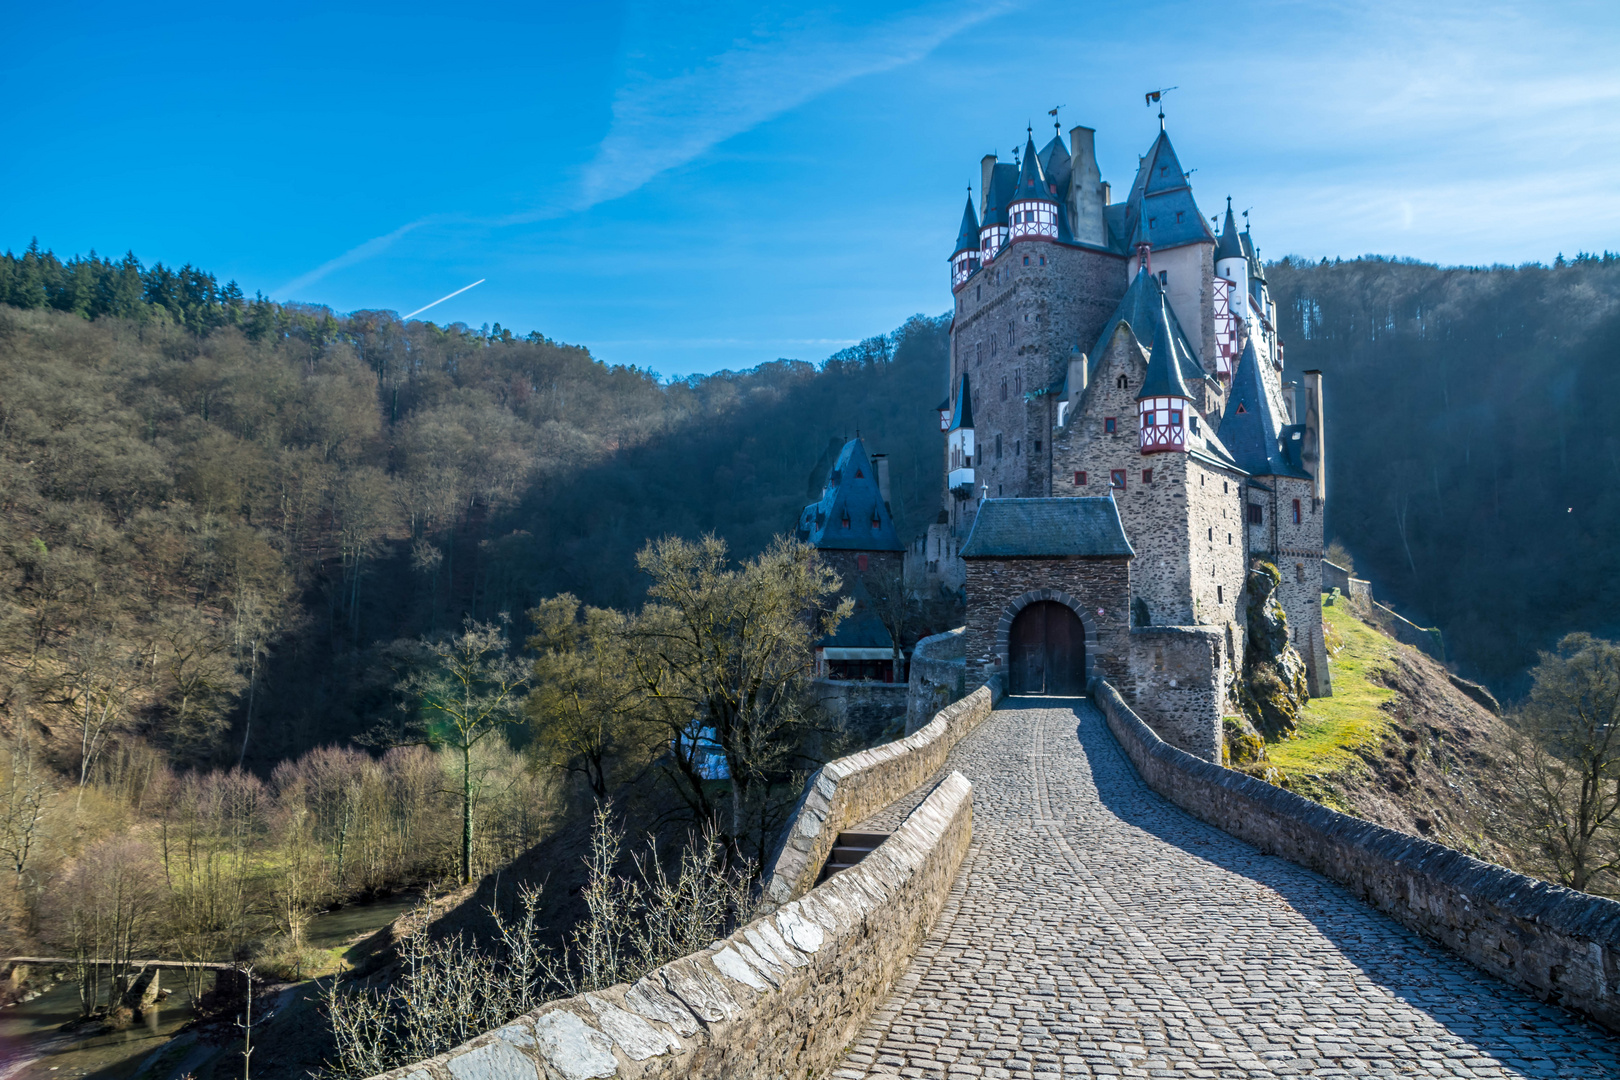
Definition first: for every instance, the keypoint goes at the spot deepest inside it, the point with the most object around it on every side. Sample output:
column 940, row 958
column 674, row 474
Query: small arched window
column 1123, row 383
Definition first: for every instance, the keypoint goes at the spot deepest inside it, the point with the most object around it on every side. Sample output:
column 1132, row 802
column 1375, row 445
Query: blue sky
column 691, row 187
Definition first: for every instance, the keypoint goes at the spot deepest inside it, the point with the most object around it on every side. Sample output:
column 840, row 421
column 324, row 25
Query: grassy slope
column 1398, row 744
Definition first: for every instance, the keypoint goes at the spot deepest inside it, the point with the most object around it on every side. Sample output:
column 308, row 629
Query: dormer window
column 844, row 522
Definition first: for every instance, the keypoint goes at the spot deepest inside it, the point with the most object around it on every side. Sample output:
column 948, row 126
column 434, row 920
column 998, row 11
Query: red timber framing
column 1163, row 424
column 1226, row 331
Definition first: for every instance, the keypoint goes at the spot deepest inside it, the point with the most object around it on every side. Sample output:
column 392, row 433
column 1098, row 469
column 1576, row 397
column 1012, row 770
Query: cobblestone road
column 1098, row 930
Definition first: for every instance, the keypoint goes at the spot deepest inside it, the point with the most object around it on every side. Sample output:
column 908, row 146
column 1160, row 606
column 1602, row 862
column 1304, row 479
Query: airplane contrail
column 442, row 299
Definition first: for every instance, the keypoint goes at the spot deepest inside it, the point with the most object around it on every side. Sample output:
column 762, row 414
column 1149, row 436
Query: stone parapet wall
column 938, row 676
column 780, row 998
column 1560, row 945
column 862, row 707
column 843, row 793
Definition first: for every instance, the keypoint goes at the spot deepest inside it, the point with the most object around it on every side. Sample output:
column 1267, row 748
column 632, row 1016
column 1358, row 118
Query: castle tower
column 1033, row 212
column 965, row 257
column 1164, row 405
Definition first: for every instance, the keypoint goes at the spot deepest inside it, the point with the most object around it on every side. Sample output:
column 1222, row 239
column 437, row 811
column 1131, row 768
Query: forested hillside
column 1474, row 465
column 219, row 515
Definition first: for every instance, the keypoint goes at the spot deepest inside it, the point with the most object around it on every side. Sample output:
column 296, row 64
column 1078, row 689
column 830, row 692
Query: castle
column 1121, row 444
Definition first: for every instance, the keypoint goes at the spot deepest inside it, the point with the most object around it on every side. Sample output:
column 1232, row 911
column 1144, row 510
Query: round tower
column 965, row 258
column 1033, row 212
column 1232, row 263
column 1165, row 404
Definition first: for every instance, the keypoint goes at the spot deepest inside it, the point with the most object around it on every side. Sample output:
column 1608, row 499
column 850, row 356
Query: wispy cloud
column 360, row 253
column 663, row 122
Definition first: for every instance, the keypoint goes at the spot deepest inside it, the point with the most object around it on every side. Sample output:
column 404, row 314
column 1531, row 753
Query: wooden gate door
column 1047, row 651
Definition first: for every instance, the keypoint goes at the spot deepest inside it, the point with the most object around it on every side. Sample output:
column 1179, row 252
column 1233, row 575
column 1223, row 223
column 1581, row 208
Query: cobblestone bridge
column 1097, row 930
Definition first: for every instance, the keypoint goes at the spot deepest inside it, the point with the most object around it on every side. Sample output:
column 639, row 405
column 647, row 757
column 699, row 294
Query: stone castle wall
column 1014, row 328
column 1560, row 945
column 1178, row 681
column 938, row 677
column 1219, row 565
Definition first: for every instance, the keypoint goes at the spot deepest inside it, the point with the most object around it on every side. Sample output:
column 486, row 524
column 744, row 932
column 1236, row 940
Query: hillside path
column 1096, row 929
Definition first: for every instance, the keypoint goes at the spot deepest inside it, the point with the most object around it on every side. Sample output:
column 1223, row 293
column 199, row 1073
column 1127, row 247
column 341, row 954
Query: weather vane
column 1158, row 95
column 1053, row 114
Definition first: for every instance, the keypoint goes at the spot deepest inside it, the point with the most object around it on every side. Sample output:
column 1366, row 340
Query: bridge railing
column 1560, row 945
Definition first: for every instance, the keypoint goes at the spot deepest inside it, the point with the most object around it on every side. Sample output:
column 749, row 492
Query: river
column 33, row 1046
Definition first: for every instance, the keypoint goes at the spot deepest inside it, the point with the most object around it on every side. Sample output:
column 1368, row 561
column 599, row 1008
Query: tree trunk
column 466, row 813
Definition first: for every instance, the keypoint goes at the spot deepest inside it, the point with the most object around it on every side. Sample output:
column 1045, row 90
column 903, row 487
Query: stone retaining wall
column 780, row 998
column 1560, row 945
column 938, row 676
column 846, row 792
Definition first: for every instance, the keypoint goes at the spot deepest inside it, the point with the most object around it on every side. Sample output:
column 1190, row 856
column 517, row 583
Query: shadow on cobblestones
column 1472, row 1005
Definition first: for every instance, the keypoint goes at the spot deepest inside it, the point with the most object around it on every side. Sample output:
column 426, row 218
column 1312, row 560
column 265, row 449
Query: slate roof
column 1229, row 246
column 1047, row 528
column 1056, row 165
column 851, row 493
column 1165, row 359
column 1249, row 428
column 1032, row 182
column 962, row 416
column 1003, row 183
column 1140, row 307
column 863, row 629
column 967, row 238
column 1159, row 196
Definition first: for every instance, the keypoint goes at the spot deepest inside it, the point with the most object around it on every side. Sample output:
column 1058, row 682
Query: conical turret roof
column 1141, row 308
column 1229, row 246
column 1160, row 206
column 1031, row 180
column 1164, row 377
column 967, row 238
column 962, row 417
column 852, row 495
column 1249, row 428
column 1057, row 166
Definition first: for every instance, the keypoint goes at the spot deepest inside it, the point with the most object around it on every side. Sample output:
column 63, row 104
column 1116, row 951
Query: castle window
column 860, row 563
column 1110, row 424
column 1152, row 221
column 1194, row 422
column 1299, row 572
column 1175, row 417
column 1147, row 419
column 1018, row 447
column 1229, row 538
column 1080, row 478
column 1147, row 476
column 978, row 292
column 1181, row 215
column 1225, row 487
column 1296, row 511
column 1116, row 479
column 844, row 521
column 998, row 438
column 1037, row 446
column 1241, row 409
column 1043, row 260
column 1164, row 277
column 1123, row 383
column 1212, row 534
column 859, row 475
column 1026, row 260
column 1219, row 599
column 1003, row 390
column 1257, row 516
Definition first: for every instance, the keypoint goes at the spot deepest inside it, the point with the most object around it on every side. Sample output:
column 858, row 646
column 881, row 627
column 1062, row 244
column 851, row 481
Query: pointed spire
column 967, row 238
column 1031, row 179
column 963, row 416
column 1229, row 247
column 1163, row 377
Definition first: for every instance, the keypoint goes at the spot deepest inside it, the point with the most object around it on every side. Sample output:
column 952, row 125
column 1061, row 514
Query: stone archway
column 1058, row 629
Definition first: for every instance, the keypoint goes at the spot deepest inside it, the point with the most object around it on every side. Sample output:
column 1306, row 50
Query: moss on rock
column 1273, row 689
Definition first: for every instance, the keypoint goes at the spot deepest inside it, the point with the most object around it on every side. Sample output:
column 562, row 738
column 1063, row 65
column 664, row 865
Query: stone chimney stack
column 1086, row 189
column 987, row 165
column 880, row 465
column 1315, row 453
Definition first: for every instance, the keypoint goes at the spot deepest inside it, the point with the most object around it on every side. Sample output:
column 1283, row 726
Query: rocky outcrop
column 1273, row 688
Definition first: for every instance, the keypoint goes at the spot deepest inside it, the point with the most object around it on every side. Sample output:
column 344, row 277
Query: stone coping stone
column 1560, row 945
column 781, row 997
column 845, row 792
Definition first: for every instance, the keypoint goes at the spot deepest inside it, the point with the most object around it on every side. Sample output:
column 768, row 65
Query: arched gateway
column 1047, row 651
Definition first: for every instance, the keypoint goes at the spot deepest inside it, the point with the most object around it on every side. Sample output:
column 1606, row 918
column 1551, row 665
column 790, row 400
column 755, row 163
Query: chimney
column 1315, row 454
column 1079, row 371
column 880, row 465
column 1087, row 192
column 987, row 165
